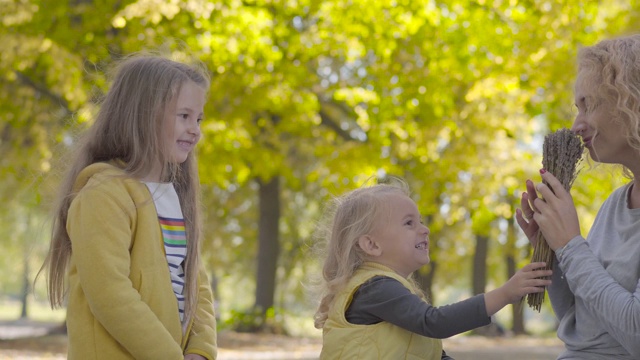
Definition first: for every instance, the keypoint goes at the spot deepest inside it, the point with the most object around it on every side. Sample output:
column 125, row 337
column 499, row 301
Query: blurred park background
column 310, row 99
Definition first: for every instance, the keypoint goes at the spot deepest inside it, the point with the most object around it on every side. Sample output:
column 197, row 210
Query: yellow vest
column 343, row 340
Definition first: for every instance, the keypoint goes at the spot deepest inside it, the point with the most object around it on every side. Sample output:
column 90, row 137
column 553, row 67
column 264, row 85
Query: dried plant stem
column 541, row 253
column 561, row 154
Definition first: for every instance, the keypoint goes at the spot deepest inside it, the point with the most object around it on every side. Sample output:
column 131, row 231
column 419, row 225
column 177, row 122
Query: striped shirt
column 173, row 235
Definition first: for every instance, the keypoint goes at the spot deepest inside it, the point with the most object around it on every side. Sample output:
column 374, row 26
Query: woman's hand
column 555, row 215
column 524, row 215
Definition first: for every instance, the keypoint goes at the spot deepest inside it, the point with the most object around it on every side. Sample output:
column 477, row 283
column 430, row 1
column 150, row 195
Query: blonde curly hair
column 612, row 66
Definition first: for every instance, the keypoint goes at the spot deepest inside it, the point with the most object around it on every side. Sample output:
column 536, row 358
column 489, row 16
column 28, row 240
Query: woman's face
column 603, row 134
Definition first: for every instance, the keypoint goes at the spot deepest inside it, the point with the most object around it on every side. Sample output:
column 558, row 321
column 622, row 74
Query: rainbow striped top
column 173, row 235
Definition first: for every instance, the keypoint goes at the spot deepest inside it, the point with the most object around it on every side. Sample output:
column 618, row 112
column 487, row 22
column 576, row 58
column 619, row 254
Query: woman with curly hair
column 595, row 289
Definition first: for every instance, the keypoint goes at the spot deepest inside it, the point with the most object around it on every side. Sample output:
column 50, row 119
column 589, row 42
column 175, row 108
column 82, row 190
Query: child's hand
column 194, row 357
column 525, row 281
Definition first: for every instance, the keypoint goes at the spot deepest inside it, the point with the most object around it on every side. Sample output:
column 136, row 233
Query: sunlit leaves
column 452, row 95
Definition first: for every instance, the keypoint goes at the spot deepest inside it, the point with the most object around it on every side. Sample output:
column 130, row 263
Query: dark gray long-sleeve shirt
column 386, row 299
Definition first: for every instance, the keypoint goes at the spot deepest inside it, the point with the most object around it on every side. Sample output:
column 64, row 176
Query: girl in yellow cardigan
column 124, row 251
column 370, row 308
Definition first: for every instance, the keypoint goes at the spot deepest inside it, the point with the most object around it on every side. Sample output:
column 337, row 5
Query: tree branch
column 43, row 90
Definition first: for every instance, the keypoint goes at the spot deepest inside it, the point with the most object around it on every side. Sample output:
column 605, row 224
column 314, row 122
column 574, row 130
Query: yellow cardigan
column 342, row 340
column 121, row 304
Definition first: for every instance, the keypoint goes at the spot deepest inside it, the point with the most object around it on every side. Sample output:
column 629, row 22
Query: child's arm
column 202, row 335
column 386, row 299
column 525, row 281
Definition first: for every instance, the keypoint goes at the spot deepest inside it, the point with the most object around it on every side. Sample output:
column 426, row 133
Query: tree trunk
column 424, row 278
column 268, row 244
column 479, row 282
column 517, row 310
column 479, row 269
column 425, row 275
column 26, row 288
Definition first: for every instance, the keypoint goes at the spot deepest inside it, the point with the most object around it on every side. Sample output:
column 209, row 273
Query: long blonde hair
column 129, row 127
column 347, row 218
column 613, row 67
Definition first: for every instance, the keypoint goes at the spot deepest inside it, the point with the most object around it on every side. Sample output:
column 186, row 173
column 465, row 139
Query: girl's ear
column 369, row 246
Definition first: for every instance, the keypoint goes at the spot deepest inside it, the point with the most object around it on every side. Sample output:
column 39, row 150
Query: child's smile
column 423, row 246
column 187, row 145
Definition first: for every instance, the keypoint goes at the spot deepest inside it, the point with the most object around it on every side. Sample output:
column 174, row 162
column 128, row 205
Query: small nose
column 426, row 229
column 194, row 128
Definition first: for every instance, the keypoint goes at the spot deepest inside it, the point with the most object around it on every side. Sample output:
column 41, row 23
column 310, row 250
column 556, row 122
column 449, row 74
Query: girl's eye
column 409, row 222
column 199, row 120
column 184, row 116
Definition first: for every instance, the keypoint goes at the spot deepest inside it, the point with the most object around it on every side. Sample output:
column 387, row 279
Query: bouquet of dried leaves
column 561, row 154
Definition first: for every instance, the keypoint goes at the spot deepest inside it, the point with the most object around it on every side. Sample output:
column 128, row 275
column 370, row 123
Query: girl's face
column 401, row 236
column 602, row 133
column 182, row 125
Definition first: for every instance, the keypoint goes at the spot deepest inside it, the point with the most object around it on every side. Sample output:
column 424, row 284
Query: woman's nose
column 579, row 125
